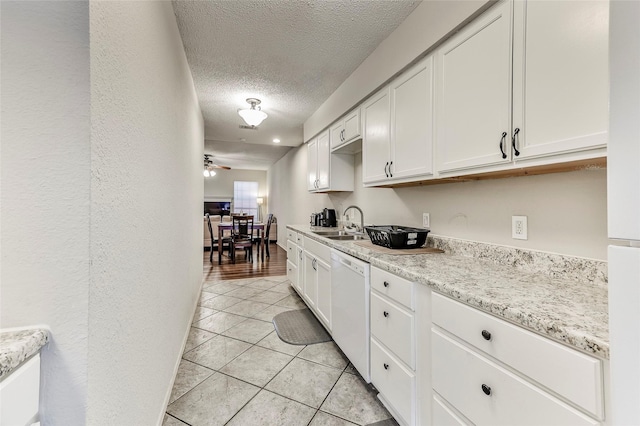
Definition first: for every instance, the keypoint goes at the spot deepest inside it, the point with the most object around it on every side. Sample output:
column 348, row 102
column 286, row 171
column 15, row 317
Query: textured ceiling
column 246, row 156
column 290, row 54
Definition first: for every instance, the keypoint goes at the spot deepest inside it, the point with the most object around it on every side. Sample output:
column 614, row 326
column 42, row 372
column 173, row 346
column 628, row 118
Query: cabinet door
column 560, row 76
column 299, row 283
column 312, row 164
column 324, row 293
column 337, row 135
column 412, row 122
column 310, row 285
column 473, row 93
column 324, row 164
column 292, row 273
column 352, row 126
column 376, row 117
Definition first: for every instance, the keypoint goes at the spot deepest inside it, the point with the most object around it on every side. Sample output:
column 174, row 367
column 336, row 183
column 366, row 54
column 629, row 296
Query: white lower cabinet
column 292, row 262
column 323, row 303
column 395, row 382
column 436, row 361
column 20, row 394
column 310, row 284
column 315, row 279
column 495, row 373
column 444, row 415
column 488, row 394
column 393, row 344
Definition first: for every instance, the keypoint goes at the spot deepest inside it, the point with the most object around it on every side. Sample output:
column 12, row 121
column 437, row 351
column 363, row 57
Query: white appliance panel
column 350, row 287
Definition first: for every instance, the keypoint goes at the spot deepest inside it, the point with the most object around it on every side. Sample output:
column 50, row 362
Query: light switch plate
column 519, row 227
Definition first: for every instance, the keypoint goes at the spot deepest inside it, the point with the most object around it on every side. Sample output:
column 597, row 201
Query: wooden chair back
column 242, row 227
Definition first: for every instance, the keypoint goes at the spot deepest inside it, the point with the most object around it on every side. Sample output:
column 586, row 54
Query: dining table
column 228, row 226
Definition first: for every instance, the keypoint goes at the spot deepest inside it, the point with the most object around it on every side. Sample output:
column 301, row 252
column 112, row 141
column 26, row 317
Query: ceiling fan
column 208, row 163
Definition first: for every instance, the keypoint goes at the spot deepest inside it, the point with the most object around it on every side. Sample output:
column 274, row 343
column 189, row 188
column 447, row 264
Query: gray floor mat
column 300, row 327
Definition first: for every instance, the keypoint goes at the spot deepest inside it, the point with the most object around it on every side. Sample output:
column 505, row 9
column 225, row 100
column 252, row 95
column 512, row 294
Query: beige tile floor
column 235, row 370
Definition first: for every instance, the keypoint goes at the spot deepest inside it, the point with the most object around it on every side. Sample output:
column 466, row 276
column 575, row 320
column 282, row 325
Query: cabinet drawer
column 443, row 415
column 459, row 374
column 393, row 327
column 573, row 375
column 395, row 383
column 292, row 272
column 292, row 252
column 318, row 250
column 393, row 287
column 299, row 239
column 20, row 394
column 292, row 235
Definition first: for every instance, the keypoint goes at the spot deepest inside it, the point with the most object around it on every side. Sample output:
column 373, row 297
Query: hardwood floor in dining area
column 272, row 266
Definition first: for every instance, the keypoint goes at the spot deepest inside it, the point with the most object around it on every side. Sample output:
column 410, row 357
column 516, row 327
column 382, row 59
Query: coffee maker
column 329, row 218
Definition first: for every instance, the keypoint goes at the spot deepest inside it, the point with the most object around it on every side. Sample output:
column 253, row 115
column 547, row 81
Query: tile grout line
column 253, row 345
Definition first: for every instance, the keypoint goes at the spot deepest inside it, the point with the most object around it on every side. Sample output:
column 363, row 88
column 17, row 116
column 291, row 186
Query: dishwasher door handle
column 345, row 262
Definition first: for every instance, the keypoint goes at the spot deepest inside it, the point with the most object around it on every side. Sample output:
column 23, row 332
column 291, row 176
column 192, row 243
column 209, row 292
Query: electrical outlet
column 519, row 227
column 425, row 220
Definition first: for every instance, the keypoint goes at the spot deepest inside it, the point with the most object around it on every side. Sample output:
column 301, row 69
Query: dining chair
column 241, row 236
column 267, row 228
column 219, row 245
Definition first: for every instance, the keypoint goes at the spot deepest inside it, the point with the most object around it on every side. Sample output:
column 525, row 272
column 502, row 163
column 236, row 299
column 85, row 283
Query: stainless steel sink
column 330, row 232
column 347, row 237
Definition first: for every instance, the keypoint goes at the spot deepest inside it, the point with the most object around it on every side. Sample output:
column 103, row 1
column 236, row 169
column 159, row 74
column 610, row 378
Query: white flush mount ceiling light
column 252, row 116
column 276, row 140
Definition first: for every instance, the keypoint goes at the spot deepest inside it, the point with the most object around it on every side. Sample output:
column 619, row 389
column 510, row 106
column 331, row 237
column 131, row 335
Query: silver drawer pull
column 386, row 367
column 486, row 389
column 386, row 314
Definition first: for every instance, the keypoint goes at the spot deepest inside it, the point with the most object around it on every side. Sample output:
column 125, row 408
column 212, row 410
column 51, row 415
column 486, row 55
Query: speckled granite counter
column 560, row 297
column 17, row 346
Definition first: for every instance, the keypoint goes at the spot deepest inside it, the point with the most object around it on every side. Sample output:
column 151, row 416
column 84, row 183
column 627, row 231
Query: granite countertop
column 17, row 346
column 560, row 297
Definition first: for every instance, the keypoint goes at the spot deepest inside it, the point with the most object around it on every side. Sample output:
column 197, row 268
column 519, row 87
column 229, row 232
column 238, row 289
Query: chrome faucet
column 361, row 217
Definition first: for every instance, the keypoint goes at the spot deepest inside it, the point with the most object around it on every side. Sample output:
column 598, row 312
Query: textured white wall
column 567, row 212
column 430, row 22
column 146, row 209
column 289, row 199
column 45, row 191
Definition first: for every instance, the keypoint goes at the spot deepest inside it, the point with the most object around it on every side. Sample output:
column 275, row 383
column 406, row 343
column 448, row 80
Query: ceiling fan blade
column 216, row 166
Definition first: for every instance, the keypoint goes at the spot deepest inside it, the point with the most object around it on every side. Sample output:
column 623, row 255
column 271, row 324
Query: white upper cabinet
column 351, row 126
column 346, row 130
column 376, row 137
column 412, row 122
column 560, row 76
column 473, row 98
column 323, row 161
column 312, row 165
column 326, row 171
column 398, row 128
column 558, row 109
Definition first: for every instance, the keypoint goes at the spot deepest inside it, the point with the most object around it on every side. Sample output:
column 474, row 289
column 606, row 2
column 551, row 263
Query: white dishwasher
column 350, row 309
